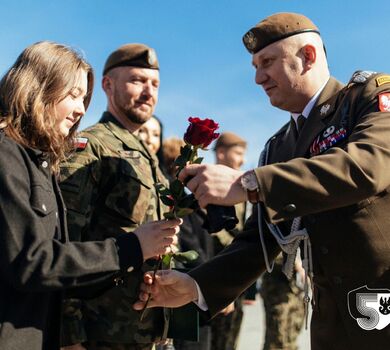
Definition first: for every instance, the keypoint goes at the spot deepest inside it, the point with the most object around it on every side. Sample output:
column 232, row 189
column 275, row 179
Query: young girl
column 42, row 98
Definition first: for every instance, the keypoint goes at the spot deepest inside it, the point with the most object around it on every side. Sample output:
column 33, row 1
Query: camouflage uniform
column 226, row 328
column 284, row 309
column 108, row 187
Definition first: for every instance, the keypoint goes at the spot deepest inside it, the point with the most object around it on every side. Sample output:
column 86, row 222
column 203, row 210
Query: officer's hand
column 74, row 347
column 156, row 237
column 214, row 184
column 170, row 289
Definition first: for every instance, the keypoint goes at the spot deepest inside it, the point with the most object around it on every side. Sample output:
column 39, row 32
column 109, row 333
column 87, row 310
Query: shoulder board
column 80, row 143
column 360, row 76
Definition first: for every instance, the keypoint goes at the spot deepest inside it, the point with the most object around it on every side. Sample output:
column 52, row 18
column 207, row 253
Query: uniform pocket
column 132, row 196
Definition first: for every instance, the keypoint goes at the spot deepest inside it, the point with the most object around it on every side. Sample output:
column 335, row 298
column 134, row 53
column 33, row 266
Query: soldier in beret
column 108, row 187
column 322, row 184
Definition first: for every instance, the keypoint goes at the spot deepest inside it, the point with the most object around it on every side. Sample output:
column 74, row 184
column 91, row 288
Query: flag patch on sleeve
column 384, row 102
column 80, row 143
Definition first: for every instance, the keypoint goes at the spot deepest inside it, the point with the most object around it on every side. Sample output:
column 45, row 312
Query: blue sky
column 205, row 70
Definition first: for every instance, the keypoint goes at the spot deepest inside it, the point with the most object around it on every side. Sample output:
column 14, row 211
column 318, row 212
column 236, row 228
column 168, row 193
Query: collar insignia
column 324, row 109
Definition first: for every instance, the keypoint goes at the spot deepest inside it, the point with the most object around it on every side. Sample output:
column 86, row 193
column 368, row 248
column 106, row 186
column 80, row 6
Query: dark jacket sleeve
column 225, row 277
column 30, row 258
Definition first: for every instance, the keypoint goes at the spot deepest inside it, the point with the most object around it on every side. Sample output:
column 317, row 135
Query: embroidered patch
column 384, row 102
column 326, row 139
column 383, row 79
column 80, row 143
column 129, row 154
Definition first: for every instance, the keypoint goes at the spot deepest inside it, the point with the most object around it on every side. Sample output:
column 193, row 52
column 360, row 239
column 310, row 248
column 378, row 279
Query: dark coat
column 36, row 260
column 340, row 187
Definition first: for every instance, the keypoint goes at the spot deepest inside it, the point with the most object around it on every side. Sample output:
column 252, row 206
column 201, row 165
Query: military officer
column 322, row 183
column 108, row 187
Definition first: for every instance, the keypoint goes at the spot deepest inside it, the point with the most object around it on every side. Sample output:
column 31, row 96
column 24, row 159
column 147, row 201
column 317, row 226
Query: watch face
column 249, row 181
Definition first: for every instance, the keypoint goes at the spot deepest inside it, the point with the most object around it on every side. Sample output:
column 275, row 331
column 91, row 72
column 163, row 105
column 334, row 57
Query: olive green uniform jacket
column 108, row 187
column 341, row 191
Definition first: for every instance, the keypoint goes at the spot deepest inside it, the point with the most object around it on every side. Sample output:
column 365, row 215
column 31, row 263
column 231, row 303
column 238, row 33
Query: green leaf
column 169, row 215
column 198, row 160
column 180, row 161
column 177, row 188
column 181, row 212
column 166, row 260
column 186, row 151
column 162, row 190
column 186, row 257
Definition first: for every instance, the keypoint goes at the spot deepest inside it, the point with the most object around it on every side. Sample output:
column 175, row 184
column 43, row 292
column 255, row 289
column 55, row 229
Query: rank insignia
column 383, row 79
column 384, row 102
column 327, row 139
column 360, row 76
column 80, row 143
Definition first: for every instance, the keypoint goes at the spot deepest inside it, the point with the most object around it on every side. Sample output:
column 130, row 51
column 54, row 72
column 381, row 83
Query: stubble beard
column 135, row 115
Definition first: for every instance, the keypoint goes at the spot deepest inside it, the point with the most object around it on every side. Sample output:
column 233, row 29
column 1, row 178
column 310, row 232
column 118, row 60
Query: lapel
column 282, row 148
column 322, row 111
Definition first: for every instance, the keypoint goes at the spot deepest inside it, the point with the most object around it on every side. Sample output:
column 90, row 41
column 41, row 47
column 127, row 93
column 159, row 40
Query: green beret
column 229, row 139
column 135, row 55
column 277, row 27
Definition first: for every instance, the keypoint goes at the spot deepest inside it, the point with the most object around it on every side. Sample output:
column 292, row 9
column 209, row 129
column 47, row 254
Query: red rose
column 200, row 132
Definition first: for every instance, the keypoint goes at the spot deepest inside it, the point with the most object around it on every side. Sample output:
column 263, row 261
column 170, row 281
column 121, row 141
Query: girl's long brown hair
column 43, row 75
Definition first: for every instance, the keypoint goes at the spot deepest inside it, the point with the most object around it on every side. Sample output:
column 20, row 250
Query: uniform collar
column 306, row 111
column 124, row 135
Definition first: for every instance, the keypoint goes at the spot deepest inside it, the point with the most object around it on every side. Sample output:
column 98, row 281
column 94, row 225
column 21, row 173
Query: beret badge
column 250, row 40
column 152, row 57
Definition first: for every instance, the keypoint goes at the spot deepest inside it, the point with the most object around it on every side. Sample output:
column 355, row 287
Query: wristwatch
column 251, row 186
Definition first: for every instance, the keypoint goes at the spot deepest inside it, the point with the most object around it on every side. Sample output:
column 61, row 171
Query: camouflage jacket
column 108, row 188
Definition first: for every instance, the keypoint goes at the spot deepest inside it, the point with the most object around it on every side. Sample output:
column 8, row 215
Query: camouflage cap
column 135, row 55
column 229, row 139
column 277, row 27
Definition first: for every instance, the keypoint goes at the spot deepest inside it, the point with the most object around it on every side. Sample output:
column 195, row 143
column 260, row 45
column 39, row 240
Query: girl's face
column 150, row 133
column 70, row 109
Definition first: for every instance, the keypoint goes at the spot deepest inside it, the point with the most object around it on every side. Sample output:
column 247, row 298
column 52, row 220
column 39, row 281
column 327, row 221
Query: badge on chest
column 327, row 139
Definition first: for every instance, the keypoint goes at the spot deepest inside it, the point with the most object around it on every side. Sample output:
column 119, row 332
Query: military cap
column 229, row 139
column 135, row 55
column 277, row 27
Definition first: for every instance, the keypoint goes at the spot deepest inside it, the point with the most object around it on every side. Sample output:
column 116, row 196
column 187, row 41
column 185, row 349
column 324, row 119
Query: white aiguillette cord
column 289, row 243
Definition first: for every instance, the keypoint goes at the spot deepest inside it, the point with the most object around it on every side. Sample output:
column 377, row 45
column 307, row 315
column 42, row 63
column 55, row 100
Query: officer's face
column 150, row 133
column 279, row 70
column 133, row 92
column 69, row 110
column 232, row 157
